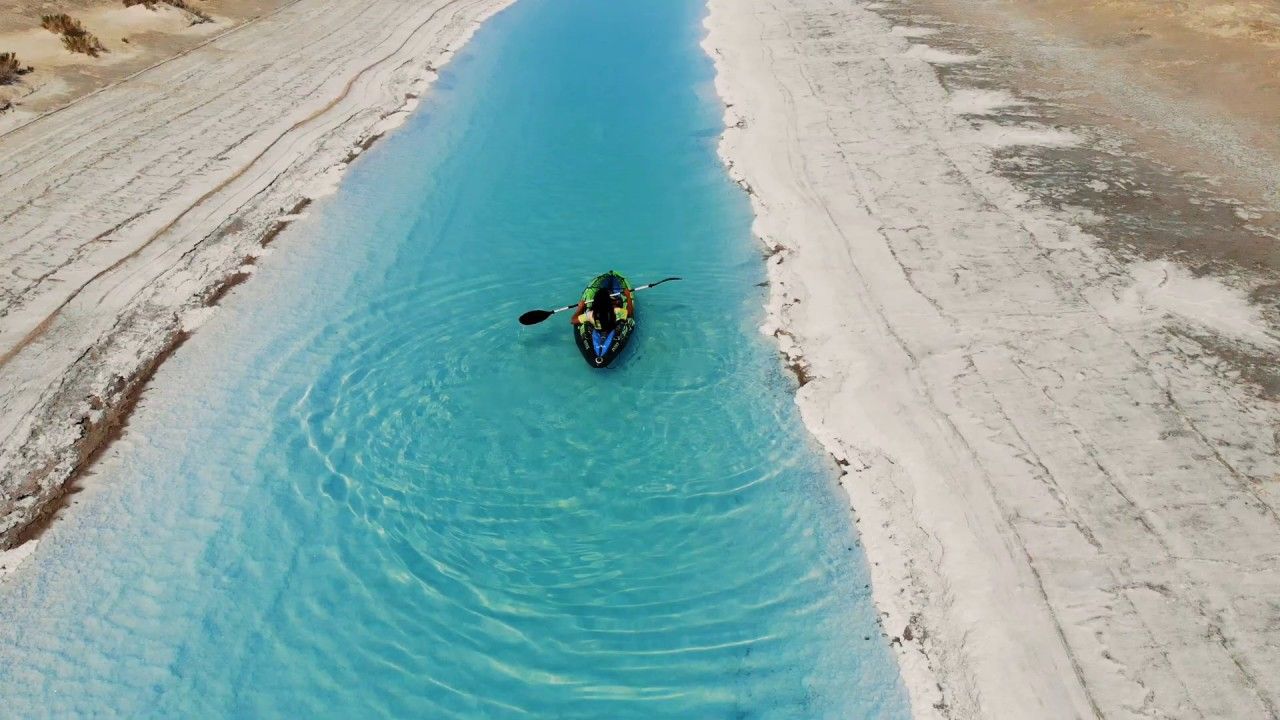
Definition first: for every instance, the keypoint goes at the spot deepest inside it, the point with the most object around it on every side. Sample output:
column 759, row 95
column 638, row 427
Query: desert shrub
column 199, row 15
column 61, row 23
column 87, row 44
column 195, row 12
column 11, row 68
column 74, row 37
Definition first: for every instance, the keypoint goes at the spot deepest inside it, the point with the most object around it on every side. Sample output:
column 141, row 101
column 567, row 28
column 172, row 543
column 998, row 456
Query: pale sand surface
column 1196, row 81
column 134, row 37
column 124, row 212
column 1066, row 484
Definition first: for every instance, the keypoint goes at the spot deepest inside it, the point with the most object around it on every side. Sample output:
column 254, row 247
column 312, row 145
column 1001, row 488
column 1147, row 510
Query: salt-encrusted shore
column 1069, row 506
column 127, row 213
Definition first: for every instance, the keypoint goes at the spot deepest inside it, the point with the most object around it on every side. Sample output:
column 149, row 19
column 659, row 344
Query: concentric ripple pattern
column 363, row 490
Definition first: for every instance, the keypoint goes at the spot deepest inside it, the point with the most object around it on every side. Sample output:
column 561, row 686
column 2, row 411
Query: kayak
column 600, row 348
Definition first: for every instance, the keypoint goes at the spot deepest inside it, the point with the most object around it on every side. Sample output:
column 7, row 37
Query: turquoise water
column 363, row 490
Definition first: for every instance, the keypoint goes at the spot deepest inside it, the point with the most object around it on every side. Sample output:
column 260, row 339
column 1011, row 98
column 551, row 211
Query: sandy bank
column 128, row 211
column 1070, row 503
column 1196, row 74
column 132, row 39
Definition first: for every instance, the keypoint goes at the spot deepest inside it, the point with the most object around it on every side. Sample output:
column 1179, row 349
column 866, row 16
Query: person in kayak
column 606, row 311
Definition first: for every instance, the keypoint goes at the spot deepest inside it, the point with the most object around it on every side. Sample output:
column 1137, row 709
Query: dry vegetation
column 74, row 37
column 195, row 12
column 11, row 69
column 200, row 15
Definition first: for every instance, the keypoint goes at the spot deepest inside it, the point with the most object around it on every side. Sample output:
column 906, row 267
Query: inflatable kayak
column 601, row 340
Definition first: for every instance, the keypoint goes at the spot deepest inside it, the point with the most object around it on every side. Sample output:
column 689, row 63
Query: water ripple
column 389, row 499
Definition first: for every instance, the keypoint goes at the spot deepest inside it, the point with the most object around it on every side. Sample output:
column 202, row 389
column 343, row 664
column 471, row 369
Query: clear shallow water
column 364, row 490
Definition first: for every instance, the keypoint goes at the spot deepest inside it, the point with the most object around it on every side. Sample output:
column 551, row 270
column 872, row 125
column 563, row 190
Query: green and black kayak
column 601, row 340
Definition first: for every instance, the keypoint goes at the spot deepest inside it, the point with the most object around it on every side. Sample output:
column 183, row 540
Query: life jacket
column 619, row 315
column 610, row 282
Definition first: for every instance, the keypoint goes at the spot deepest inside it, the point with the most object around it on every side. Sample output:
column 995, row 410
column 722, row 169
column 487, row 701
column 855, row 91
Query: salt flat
column 128, row 209
column 1069, row 506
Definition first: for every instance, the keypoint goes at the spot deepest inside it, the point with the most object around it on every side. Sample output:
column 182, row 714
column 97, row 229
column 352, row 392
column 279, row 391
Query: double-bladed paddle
column 533, row 317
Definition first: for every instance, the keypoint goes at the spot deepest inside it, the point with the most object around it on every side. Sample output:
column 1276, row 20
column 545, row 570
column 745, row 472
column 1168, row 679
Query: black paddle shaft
column 533, row 317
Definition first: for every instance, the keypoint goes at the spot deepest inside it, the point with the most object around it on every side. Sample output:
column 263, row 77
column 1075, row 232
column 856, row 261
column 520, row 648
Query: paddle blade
column 533, row 317
column 652, row 284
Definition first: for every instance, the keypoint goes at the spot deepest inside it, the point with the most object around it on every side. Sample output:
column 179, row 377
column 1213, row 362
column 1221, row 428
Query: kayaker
column 606, row 310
